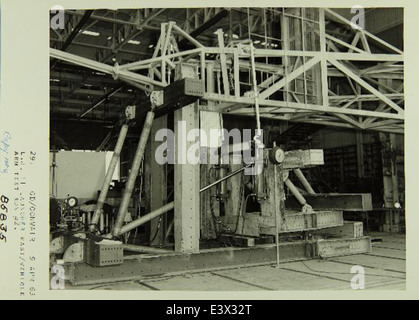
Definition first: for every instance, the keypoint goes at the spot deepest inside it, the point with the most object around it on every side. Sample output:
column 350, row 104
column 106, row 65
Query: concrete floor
column 385, row 270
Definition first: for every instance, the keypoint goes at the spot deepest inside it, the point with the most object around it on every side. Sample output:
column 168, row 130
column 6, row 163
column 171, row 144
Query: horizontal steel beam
column 113, row 71
column 344, row 202
column 343, row 247
column 254, row 225
column 399, row 129
column 90, row 78
column 117, row 21
column 101, row 47
column 261, row 53
column 332, row 72
column 141, row 266
column 138, row 267
column 93, row 93
column 297, row 106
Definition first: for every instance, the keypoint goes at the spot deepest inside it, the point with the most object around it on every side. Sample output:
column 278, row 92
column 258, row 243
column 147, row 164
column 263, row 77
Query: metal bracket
column 130, row 112
column 157, row 98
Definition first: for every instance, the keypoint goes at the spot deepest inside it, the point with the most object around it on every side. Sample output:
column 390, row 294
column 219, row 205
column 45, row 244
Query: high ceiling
column 88, row 99
column 121, row 37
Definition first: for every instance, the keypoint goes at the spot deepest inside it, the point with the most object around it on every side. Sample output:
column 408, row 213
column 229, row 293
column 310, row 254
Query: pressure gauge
column 72, row 202
column 277, row 156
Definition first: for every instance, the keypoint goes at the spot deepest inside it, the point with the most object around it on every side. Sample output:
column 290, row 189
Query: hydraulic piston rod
column 304, row 181
column 129, row 189
column 225, row 178
column 297, row 194
column 108, row 179
column 147, row 218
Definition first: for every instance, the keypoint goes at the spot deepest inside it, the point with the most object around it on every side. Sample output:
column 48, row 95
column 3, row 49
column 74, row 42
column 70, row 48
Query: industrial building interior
column 319, row 186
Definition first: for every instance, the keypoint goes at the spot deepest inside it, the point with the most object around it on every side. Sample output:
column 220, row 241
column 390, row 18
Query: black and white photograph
column 227, row 149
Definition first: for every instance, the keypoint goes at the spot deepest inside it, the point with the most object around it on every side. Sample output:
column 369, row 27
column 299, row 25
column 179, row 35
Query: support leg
column 133, row 175
column 108, row 178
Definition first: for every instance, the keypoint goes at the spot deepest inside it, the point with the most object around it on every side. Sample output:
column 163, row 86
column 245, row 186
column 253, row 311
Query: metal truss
column 310, row 73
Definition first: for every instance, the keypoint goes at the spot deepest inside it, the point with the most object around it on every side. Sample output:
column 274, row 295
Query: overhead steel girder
column 308, row 67
column 112, row 20
column 77, row 29
column 205, row 26
column 276, row 105
column 397, row 129
column 175, row 96
column 93, row 93
column 137, row 30
column 94, row 65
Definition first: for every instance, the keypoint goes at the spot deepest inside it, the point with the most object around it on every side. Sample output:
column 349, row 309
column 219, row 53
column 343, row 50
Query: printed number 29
column 58, row 281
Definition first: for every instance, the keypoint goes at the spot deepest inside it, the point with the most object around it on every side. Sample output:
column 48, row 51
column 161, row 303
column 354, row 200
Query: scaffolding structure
column 311, row 73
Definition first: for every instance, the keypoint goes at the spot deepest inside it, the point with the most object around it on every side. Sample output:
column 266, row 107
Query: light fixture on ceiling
column 135, row 42
column 91, row 33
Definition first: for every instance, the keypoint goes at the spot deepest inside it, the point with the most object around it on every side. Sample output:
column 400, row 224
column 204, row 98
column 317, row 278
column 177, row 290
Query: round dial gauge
column 277, row 156
column 72, row 202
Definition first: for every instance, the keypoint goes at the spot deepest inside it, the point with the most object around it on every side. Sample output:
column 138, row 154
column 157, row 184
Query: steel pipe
column 129, row 188
column 147, row 218
column 142, row 249
column 304, row 181
column 108, row 177
column 261, row 194
column 225, row 178
column 295, row 192
column 278, row 217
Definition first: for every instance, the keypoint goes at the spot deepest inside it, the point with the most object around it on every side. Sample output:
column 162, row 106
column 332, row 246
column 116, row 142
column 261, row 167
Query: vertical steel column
column 277, row 216
column 158, row 185
column 129, row 188
column 394, row 169
column 187, row 175
column 278, row 213
column 323, row 63
column 255, row 87
column 259, row 163
column 108, row 178
column 187, row 184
